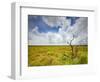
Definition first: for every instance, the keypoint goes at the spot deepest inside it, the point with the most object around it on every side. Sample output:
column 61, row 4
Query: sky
column 57, row 30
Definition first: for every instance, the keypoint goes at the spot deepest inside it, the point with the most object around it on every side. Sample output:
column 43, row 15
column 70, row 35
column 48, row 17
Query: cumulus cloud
column 65, row 33
column 55, row 21
column 37, row 38
column 80, row 31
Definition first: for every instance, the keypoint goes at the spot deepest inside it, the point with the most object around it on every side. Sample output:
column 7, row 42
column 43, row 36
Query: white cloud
column 36, row 37
column 80, row 30
column 44, row 38
column 50, row 20
column 55, row 21
column 64, row 35
column 54, row 38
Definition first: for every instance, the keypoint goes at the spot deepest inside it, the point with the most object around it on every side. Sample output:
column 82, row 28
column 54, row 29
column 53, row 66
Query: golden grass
column 57, row 55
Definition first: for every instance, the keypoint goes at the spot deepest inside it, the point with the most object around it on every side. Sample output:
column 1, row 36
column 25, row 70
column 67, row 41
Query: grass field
column 57, row 55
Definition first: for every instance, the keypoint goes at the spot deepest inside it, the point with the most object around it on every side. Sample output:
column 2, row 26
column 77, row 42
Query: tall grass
column 57, row 55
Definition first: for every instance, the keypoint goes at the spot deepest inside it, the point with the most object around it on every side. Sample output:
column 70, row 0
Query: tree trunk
column 72, row 51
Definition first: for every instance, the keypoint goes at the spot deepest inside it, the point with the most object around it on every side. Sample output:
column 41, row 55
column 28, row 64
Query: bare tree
column 72, row 47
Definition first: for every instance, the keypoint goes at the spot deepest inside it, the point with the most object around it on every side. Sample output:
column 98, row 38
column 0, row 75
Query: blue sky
column 57, row 28
column 42, row 26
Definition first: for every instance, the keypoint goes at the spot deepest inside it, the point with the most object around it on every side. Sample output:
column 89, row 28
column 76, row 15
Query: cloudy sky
column 57, row 30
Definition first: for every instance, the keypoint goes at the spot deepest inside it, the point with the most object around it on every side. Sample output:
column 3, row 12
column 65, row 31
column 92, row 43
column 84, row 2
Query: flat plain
column 57, row 55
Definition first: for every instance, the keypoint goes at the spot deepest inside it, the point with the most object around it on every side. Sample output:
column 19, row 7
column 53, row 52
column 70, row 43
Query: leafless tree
column 72, row 47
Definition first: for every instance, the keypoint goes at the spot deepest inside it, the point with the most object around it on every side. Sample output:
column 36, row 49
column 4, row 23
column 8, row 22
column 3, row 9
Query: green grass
column 57, row 55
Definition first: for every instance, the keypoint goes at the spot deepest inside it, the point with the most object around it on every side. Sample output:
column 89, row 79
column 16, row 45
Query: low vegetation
column 57, row 55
